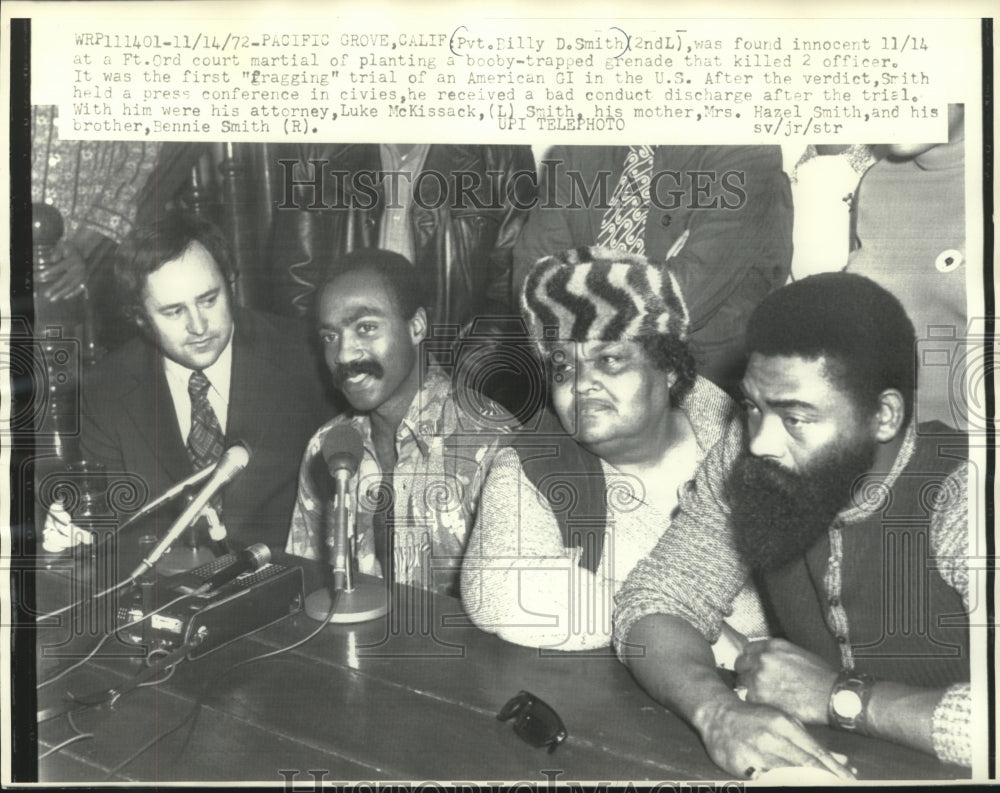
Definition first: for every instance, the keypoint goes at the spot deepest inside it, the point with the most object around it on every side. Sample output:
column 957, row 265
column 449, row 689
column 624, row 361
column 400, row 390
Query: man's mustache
column 354, row 368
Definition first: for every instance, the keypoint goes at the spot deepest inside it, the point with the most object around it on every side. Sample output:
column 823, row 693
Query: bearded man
column 852, row 520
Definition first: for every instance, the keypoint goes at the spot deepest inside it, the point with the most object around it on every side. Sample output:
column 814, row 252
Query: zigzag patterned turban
column 600, row 294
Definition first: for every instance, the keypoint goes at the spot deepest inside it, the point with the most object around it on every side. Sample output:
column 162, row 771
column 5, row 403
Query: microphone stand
column 233, row 461
column 359, row 600
column 192, row 550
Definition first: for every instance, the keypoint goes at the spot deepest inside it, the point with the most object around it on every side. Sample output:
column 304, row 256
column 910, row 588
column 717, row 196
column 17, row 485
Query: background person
column 911, row 240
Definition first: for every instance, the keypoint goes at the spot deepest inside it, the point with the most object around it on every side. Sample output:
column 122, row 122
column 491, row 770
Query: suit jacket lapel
column 249, row 376
column 151, row 409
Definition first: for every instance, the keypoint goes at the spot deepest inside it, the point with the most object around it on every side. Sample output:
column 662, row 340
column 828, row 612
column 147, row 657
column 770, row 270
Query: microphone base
column 369, row 600
column 181, row 558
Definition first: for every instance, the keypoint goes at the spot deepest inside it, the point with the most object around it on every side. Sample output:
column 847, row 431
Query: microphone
column 342, row 450
column 250, row 559
column 359, row 601
column 232, row 462
column 176, row 490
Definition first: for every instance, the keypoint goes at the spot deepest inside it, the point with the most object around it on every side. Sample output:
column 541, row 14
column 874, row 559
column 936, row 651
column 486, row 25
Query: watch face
column 847, row 704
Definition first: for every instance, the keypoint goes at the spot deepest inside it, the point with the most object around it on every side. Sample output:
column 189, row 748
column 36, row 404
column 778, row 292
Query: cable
column 329, row 616
column 76, row 665
column 112, row 694
column 69, row 718
column 108, row 591
column 199, row 702
column 273, row 653
column 81, row 702
column 78, row 737
column 169, row 668
column 170, row 673
column 106, row 636
column 65, row 743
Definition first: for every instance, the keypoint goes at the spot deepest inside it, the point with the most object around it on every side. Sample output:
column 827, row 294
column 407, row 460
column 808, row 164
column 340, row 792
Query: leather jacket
column 331, row 199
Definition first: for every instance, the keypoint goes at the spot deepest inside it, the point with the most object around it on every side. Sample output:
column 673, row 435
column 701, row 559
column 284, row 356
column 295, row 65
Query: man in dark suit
column 202, row 376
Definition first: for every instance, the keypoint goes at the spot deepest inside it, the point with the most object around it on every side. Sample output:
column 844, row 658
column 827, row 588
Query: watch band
column 848, row 705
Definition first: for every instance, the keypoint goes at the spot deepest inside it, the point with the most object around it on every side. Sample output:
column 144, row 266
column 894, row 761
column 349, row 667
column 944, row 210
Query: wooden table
column 409, row 697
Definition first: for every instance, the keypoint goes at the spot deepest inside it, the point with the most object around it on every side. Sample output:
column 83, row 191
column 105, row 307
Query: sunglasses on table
column 535, row 722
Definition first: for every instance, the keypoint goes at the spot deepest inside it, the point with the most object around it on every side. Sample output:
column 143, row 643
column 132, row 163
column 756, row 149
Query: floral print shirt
column 94, row 184
column 444, row 446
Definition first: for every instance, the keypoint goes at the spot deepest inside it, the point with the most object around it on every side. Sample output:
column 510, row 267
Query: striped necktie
column 624, row 223
column 205, row 441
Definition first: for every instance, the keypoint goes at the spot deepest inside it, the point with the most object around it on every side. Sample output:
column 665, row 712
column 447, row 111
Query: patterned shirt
column 93, row 183
column 444, row 446
column 695, row 572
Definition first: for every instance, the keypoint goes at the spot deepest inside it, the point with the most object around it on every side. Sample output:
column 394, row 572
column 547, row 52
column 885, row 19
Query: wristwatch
column 848, row 706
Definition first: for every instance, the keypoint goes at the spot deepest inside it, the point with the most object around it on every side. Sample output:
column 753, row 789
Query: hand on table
column 60, row 533
column 778, row 673
column 748, row 739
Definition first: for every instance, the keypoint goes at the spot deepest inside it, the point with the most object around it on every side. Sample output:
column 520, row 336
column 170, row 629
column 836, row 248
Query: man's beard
column 778, row 515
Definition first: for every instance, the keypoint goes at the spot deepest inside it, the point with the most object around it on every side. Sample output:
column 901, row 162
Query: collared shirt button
column 842, row 639
column 834, row 601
